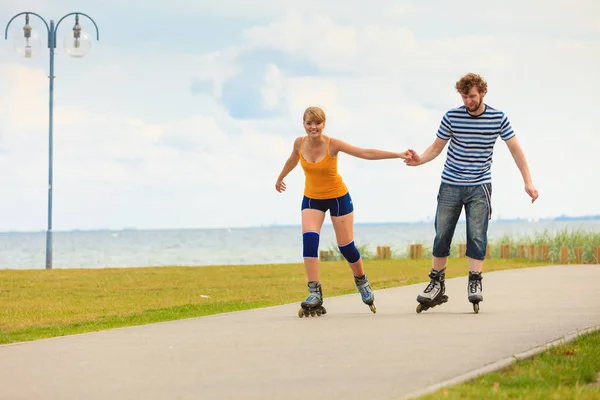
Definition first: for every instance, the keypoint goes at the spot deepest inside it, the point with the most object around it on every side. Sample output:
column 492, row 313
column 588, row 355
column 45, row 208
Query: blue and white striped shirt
column 472, row 139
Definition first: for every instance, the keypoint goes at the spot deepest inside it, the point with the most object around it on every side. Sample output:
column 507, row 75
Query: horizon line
column 326, row 223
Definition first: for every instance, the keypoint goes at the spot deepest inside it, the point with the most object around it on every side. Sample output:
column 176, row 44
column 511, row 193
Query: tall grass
column 571, row 239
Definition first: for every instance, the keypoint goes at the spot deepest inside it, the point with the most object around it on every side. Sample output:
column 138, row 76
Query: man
column 472, row 130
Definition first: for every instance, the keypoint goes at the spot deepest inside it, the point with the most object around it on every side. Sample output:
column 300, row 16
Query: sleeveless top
column 322, row 178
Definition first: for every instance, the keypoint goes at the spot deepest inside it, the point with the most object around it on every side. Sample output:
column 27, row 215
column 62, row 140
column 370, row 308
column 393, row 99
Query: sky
column 184, row 112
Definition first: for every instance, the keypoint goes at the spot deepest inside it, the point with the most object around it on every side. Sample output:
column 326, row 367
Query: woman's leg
column 312, row 221
column 344, row 234
column 342, row 218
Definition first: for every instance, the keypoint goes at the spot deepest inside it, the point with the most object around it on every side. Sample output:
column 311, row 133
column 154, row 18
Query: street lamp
column 77, row 44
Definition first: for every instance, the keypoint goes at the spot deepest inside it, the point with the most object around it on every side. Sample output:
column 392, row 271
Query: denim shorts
column 477, row 201
column 337, row 207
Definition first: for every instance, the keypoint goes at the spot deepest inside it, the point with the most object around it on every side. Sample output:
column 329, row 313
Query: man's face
column 473, row 99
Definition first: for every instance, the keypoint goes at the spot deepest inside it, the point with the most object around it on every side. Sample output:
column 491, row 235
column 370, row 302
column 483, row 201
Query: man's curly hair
column 464, row 84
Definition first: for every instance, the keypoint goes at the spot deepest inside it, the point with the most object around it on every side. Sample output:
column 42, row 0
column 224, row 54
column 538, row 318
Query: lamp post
column 77, row 44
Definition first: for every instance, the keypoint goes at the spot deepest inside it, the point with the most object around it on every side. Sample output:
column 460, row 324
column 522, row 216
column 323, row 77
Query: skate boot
column 433, row 295
column 364, row 288
column 474, row 289
column 313, row 305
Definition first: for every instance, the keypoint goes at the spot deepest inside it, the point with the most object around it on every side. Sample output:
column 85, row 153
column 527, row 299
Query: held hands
column 413, row 160
column 280, row 185
column 405, row 155
column 531, row 191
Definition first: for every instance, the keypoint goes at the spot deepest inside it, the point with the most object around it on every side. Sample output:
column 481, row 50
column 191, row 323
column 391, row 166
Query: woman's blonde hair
column 315, row 114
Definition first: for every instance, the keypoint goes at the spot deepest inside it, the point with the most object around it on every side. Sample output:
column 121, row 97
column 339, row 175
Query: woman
column 325, row 190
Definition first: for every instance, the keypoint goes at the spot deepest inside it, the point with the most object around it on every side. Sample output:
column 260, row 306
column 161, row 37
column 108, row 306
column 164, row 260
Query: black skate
column 433, row 295
column 313, row 305
column 474, row 289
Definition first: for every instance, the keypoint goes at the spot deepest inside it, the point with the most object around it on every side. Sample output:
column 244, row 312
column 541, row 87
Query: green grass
column 569, row 371
column 39, row 304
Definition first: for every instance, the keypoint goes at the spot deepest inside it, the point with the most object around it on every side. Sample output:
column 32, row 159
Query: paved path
column 350, row 353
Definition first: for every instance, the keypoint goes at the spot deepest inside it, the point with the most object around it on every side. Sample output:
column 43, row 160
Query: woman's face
column 313, row 128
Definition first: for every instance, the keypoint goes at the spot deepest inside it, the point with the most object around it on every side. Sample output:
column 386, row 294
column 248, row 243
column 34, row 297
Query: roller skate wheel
column 312, row 313
column 372, row 307
column 301, row 313
column 476, row 308
column 319, row 313
column 419, row 308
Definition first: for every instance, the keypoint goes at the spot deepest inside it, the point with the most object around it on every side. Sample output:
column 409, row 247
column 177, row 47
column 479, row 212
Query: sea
column 231, row 246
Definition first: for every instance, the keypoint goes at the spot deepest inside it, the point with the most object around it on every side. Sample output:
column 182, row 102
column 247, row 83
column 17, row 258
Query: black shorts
column 337, row 207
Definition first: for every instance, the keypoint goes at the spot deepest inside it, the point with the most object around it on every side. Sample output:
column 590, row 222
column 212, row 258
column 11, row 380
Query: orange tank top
column 322, row 178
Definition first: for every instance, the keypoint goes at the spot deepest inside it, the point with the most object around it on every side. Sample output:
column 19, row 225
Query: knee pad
column 350, row 252
column 310, row 244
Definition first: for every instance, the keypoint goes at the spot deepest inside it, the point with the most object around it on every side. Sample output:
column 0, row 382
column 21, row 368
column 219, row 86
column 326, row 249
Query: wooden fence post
column 505, row 251
column 564, row 254
column 488, row 251
column 384, row 252
column 462, row 249
column 326, row 255
column 419, row 250
column 531, row 252
column 520, row 251
column 538, row 252
column 597, row 255
column 579, row 255
column 545, row 252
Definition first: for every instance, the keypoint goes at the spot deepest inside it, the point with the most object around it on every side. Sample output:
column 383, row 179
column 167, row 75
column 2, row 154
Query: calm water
column 201, row 247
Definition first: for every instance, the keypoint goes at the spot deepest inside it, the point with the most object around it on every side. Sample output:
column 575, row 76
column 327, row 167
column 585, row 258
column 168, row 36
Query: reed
column 572, row 239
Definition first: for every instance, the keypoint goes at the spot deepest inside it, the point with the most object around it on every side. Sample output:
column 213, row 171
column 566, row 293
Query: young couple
column 471, row 129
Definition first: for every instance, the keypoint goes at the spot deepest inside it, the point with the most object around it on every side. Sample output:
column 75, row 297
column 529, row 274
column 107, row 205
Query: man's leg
column 449, row 207
column 475, row 265
column 478, row 213
column 450, row 200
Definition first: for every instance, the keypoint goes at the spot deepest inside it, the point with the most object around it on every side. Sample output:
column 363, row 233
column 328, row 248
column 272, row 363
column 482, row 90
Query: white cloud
column 27, row 104
column 317, row 38
column 272, row 89
column 134, row 146
column 374, row 49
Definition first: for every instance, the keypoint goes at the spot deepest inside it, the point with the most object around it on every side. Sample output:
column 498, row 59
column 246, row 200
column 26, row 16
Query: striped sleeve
column 445, row 130
column 506, row 130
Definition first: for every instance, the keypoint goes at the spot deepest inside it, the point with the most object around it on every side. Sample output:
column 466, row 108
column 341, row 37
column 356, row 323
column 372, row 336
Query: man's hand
column 414, row 159
column 531, row 191
column 405, row 155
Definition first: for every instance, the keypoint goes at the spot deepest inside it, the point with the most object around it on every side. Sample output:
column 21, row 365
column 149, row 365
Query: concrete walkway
column 350, row 353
